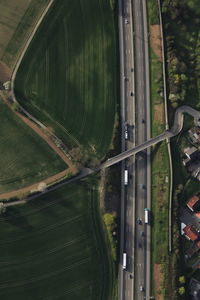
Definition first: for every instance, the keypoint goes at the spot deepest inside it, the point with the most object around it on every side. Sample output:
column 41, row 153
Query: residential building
column 194, row 203
column 190, row 233
column 195, row 134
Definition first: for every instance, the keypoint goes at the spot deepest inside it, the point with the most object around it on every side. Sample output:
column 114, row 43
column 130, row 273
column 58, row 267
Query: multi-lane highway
column 142, row 175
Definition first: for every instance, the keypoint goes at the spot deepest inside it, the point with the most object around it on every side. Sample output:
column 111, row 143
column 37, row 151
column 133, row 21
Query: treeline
column 181, row 20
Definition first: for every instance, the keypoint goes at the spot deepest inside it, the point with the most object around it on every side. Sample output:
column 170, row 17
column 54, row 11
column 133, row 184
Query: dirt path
column 34, row 187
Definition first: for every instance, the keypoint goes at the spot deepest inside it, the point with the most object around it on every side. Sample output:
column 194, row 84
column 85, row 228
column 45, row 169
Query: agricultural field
column 17, row 19
column 67, row 78
column 25, row 158
column 54, row 248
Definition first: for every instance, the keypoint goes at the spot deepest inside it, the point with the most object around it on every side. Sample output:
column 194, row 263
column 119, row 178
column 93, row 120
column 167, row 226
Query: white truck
column 146, row 215
column 125, row 177
column 124, row 261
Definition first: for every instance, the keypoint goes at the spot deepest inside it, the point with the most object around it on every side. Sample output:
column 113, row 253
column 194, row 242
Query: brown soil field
column 155, row 39
column 157, row 279
column 159, row 112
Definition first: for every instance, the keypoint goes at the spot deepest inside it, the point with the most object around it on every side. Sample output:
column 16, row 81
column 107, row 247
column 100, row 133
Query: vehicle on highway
column 132, row 94
column 143, row 121
column 125, row 177
column 146, row 215
column 131, row 276
column 141, row 288
column 126, row 21
column 142, row 233
column 124, row 261
column 142, row 186
column 139, row 221
column 132, row 69
column 126, row 132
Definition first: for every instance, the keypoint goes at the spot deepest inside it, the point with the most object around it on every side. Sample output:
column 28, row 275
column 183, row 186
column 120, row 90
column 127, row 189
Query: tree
column 182, row 279
column 181, row 290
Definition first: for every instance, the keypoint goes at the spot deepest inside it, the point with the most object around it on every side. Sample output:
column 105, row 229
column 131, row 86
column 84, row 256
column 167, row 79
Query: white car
column 126, row 21
column 141, row 288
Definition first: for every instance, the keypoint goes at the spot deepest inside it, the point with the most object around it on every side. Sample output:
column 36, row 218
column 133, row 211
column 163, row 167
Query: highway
column 126, row 283
column 142, row 125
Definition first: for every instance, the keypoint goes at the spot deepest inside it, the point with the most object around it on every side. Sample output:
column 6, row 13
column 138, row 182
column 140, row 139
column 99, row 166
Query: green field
column 68, row 76
column 24, row 157
column 54, row 247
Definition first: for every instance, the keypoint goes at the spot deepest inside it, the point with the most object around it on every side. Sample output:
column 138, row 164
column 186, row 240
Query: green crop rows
column 24, row 157
column 68, row 77
column 53, row 247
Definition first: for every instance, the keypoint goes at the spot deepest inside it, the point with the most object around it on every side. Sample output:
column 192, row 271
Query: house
column 192, row 153
column 195, row 134
column 190, row 233
column 197, row 215
column 192, row 161
column 193, row 203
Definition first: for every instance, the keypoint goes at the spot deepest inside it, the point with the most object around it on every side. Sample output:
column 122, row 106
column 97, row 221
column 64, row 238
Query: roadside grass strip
column 67, row 78
column 24, row 157
column 54, row 247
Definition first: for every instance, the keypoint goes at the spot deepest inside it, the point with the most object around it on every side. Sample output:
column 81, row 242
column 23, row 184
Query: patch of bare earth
column 157, row 279
column 155, row 39
column 159, row 112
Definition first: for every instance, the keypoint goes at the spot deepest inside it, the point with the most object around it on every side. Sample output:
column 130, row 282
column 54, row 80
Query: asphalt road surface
column 141, row 265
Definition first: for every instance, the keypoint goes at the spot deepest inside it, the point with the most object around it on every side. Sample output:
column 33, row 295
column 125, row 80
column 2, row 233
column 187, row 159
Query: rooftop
column 190, row 233
column 193, row 202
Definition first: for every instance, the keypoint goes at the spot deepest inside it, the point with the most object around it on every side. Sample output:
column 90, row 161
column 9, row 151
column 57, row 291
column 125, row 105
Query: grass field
column 160, row 169
column 24, row 157
column 17, row 19
column 54, row 247
column 68, row 76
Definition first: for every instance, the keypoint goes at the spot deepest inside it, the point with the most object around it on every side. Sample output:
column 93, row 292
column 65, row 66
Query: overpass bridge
column 176, row 128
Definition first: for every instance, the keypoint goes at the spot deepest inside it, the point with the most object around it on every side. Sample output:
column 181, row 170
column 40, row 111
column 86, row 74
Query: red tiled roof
column 197, row 214
column 190, row 233
column 192, row 201
column 198, row 244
